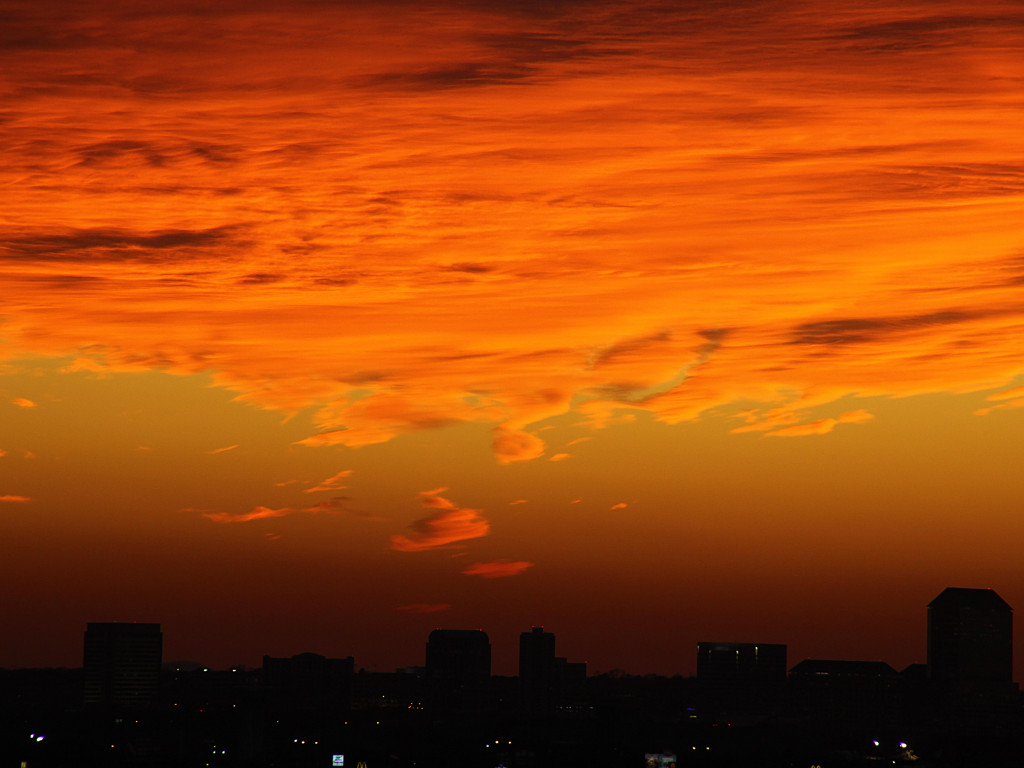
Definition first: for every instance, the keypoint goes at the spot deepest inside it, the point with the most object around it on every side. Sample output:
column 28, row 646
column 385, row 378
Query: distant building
column 970, row 639
column 864, row 694
column 310, row 676
column 458, row 655
column 121, row 664
column 741, row 663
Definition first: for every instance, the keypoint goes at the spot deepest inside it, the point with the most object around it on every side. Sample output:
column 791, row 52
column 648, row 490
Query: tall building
column 537, row 670
column 122, row 663
column 970, row 638
column 458, row 655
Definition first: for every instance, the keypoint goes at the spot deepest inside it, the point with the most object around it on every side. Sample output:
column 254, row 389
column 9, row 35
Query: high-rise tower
column 970, row 638
column 122, row 663
column 538, row 674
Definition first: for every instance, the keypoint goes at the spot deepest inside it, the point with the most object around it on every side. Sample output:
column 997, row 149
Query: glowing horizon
column 585, row 280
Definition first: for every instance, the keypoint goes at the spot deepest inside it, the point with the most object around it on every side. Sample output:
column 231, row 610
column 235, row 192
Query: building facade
column 121, row 664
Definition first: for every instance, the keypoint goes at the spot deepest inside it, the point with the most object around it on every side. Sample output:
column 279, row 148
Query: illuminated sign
column 660, row 761
column 337, row 760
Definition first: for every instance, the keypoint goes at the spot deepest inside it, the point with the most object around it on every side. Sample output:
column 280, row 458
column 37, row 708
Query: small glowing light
column 903, row 745
column 875, row 742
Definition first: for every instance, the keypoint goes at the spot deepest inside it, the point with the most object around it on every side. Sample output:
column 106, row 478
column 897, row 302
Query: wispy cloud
column 332, row 483
column 620, row 505
column 498, row 568
column 821, row 426
column 259, row 513
column 264, row 513
column 12, row 499
column 222, row 450
column 23, row 402
column 449, row 525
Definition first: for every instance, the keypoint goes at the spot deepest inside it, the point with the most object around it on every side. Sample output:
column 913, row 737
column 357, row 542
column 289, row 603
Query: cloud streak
column 498, row 569
column 448, row 526
column 332, row 483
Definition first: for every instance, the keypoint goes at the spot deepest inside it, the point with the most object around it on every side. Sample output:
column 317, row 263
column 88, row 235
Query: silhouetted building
column 740, row 679
column 970, row 638
column 537, row 671
column 858, row 694
column 458, row 655
column 310, row 676
column 121, row 663
column 741, row 663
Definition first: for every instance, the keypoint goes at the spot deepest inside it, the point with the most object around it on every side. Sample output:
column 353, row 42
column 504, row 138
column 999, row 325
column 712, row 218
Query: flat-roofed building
column 121, row 663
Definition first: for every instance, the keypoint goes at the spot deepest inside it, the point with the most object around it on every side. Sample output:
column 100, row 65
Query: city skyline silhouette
column 325, row 325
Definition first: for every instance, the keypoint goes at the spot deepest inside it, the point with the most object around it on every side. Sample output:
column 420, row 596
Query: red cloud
column 260, row 513
column 498, row 569
column 451, row 524
column 11, row 499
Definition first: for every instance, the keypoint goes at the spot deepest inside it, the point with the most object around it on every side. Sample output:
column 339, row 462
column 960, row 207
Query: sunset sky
column 325, row 323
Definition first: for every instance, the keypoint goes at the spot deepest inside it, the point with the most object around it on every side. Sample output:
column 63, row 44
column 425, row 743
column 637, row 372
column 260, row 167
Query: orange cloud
column 11, row 499
column 513, row 445
column 822, row 426
column 23, row 402
column 900, row 270
column 1005, row 405
column 620, row 505
column 1009, row 399
column 222, row 450
column 331, row 483
column 263, row 513
column 449, row 525
column 259, row 513
column 518, row 501
column 424, row 607
column 1009, row 394
column 498, row 568
column 560, row 457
